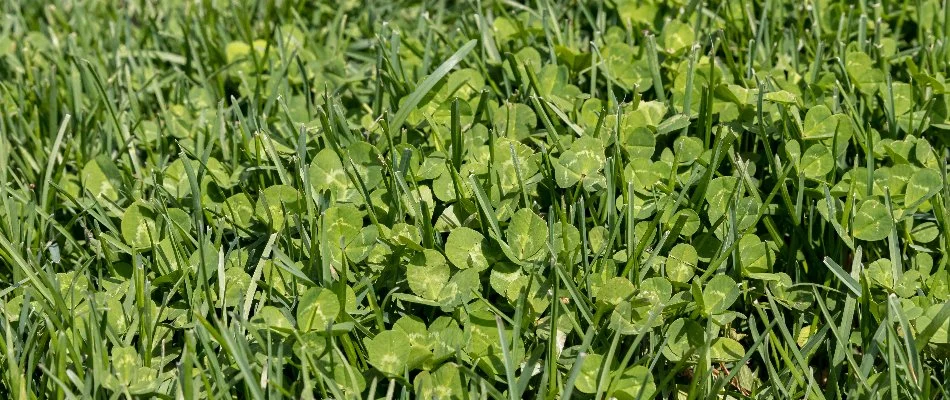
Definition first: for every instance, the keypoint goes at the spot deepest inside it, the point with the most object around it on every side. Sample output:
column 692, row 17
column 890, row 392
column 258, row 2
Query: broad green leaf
column 406, row 235
column 782, row 97
column 415, row 329
column 637, row 12
column 515, row 120
column 503, row 275
column 505, row 29
column 73, row 287
column 820, row 123
column 597, row 238
column 277, row 205
column 589, row 374
column 236, row 281
column 681, row 263
column 640, row 142
column 529, row 57
column 719, row 294
column 526, row 235
column 327, row 173
column 445, row 382
column 816, row 162
column 165, row 257
column 941, row 335
column 913, row 122
column 206, row 257
column 645, row 173
column 880, row 272
column 737, row 94
column 899, row 150
column 555, row 86
column 139, row 228
column 793, row 150
column 685, row 220
column 318, row 307
column 389, row 351
column 623, row 66
column 795, row 297
column 359, row 247
column 581, row 163
column 346, row 235
column 446, row 336
column 101, row 178
column 567, row 239
column 175, row 178
column 894, row 178
column 239, row 210
column 872, row 222
column 270, row 317
column 432, row 166
column 657, row 291
column 178, row 218
column 527, row 164
column 718, row 194
column 427, row 273
column 923, row 184
column 682, row 337
column 537, row 293
column 687, row 149
column 648, row 114
column 483, row 343
column 924, row 153
column 235, row 51
column 635, row 383
column 726, row 350
column 674, row 123
column 903, row 97
column 463, row 83
column 676, row 37
column 574, row 58
column 629, row 320
column 614, row 291
column 125, row 361
column 755, row 257
column 857, row 177
column 925, row 232
column 861, row 70
column 589, row 115
column 463, row 248
column 460, row 289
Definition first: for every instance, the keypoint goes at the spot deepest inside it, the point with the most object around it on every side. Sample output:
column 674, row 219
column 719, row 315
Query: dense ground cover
column 587, row 199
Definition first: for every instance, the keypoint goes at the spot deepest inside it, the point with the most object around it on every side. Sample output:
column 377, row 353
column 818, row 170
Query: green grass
column 468, row 200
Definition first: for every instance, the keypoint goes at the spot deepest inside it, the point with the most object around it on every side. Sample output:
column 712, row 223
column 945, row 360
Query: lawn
column 683, row 199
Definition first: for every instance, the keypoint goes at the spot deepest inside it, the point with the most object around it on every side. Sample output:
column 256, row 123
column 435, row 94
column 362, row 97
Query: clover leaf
column 139, row 228
column 464, row 249
column 872, row 222
column 581, row 163
column 719, row 294
column 526, row 234
column 389, row 352
column 317, row 309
